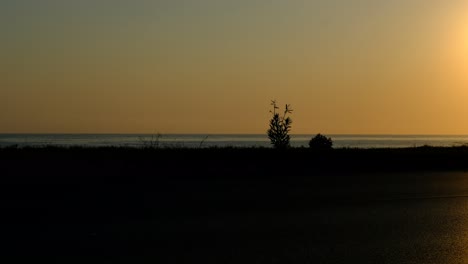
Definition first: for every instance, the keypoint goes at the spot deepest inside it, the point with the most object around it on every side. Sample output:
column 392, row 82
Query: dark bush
column 321, row 142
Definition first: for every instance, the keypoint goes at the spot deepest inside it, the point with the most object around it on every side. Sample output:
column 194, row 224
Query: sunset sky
column 212, row 66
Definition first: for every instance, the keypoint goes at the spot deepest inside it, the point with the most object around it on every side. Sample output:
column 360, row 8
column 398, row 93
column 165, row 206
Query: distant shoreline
column 224, row 140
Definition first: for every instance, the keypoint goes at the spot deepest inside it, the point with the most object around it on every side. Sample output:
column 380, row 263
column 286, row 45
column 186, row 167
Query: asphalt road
column 388, row 218
column 362, row 218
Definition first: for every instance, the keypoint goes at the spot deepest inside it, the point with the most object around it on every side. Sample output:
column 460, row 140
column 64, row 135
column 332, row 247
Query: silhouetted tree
column 280, row 125
column 321, row 142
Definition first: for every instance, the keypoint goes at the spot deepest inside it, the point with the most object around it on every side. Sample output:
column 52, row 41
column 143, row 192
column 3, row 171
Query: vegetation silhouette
column 280, row 125
column 202, row 142
column 321, row 142
column 153, row 142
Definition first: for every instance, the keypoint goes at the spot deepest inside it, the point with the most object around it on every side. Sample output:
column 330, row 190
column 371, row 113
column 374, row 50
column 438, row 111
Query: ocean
column 212, row 140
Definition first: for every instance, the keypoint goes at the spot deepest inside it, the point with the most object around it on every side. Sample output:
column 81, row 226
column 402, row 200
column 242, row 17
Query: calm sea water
column 207, row 140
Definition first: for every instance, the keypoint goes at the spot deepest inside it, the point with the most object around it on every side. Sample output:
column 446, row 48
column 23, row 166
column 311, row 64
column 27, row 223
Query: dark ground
column 235, row 205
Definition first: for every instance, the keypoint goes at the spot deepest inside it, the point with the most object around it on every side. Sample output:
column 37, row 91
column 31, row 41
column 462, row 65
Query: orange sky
column 212, row 66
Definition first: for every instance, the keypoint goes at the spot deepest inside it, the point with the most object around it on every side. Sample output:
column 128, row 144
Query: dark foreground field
column 113, row 205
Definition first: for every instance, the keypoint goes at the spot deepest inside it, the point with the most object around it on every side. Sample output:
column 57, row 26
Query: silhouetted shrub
column 280, row 127
column 153, row 142
column 321, row 142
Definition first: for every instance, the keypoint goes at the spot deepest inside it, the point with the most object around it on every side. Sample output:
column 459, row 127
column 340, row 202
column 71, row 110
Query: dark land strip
column 232, row 205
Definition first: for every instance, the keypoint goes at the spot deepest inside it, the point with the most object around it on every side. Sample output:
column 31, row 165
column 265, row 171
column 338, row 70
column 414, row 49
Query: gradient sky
column 212, row 66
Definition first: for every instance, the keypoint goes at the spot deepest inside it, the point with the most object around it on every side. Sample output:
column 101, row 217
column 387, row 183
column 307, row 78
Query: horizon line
column 228, row 134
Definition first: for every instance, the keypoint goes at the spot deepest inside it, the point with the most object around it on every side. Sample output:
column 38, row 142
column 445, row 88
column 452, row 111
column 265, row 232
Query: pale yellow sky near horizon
column 212, row 66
